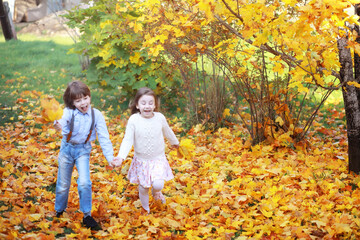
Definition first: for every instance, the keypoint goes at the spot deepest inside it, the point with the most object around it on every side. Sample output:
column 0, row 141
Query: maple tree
column 299, row 39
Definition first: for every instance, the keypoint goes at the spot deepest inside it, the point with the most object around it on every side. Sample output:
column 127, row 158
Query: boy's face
column 146, row 105
column 82, row 103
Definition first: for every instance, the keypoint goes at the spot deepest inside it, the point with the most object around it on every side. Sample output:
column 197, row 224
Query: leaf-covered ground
column 226, row 190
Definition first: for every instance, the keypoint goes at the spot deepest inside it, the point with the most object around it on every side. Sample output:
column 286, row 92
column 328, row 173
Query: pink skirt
column 144, row 172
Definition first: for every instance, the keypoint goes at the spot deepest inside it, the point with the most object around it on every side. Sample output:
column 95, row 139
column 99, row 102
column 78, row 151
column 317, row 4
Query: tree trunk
column 352, row 107
column 5, row 22
column 356, row 56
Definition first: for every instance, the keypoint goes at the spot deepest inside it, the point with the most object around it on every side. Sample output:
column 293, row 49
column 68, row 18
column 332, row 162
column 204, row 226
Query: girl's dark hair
column 75, row 90
column 141, row 92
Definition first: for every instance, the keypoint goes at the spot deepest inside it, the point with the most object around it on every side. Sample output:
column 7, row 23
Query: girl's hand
column 57, row 126
column 113, row 163
column 175, row 146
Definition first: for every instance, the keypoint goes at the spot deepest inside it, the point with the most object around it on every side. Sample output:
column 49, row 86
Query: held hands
column 116, row 162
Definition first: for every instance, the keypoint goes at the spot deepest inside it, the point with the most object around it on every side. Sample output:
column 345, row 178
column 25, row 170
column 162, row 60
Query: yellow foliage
column 278, row 67
column 226, row 113
column 299, row 85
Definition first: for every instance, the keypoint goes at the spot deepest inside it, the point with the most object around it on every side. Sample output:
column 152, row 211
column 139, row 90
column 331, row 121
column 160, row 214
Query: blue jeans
column 69, row 156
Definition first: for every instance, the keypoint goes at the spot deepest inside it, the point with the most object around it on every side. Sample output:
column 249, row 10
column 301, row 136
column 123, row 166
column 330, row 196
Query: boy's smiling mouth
column 84, row 109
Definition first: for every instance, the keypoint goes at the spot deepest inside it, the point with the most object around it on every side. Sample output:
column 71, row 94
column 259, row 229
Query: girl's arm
column 168, row 133
column 128, row 140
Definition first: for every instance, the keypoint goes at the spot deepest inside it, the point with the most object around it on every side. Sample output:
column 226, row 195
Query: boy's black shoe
column 59, row 214
column 89, row 222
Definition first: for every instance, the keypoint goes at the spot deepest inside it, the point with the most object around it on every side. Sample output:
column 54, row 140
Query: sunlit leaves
column 302, row 30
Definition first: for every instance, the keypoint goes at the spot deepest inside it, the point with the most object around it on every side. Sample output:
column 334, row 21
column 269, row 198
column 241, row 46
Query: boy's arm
column 104, row 138
column 61, row 123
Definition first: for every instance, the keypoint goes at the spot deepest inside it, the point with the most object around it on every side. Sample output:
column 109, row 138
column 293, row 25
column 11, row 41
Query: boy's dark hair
column 75, row 90
column 141, row 92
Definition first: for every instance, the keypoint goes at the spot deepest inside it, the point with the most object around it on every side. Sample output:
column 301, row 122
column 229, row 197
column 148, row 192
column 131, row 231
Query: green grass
column 44, row 65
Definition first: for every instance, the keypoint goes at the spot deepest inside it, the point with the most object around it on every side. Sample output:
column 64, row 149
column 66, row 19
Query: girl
column 79, row 125
column 145, row 131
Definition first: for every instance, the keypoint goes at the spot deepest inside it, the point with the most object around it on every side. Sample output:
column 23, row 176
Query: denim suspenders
column 72, row 126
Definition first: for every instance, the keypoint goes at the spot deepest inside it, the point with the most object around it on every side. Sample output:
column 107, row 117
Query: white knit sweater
column 147, row 137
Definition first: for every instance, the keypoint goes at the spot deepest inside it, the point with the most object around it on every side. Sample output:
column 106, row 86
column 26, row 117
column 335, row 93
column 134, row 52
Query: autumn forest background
column 253, row 90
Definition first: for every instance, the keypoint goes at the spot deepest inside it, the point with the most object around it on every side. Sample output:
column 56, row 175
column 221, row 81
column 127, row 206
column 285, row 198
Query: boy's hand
column 57, row 126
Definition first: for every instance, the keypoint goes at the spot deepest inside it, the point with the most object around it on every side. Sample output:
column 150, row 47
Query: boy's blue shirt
column 82, row 124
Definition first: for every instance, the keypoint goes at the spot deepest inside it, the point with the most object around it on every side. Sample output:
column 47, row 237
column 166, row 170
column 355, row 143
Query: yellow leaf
column 138, row 27
column 278, row 68
column 279, row 120
column 266, row 213
column 342, row 228
column 120, row 9
column 162, row 38
column 52, row 145
column 103, row 83
column 352, row 83
column 170, row 222
column 105, row 52
column 35, row 217
column 51, row 110
column 299, row 86
column 241, row 70
column 206, row 7
column 262, row 38
column 319, row 224
column 105, row 24
column 226, row 112
column 156, row 50
column 72, row 235
column 135, row 58
column 186, row 148
column 290, row 2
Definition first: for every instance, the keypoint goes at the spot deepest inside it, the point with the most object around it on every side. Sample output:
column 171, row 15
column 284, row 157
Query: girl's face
column 146, row 105
column 82, row 103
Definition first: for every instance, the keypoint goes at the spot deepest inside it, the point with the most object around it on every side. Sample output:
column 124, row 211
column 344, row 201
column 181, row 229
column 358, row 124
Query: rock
column 50, row 25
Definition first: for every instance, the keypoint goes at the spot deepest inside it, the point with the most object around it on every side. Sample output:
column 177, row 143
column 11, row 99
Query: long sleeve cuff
column 109, row 158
